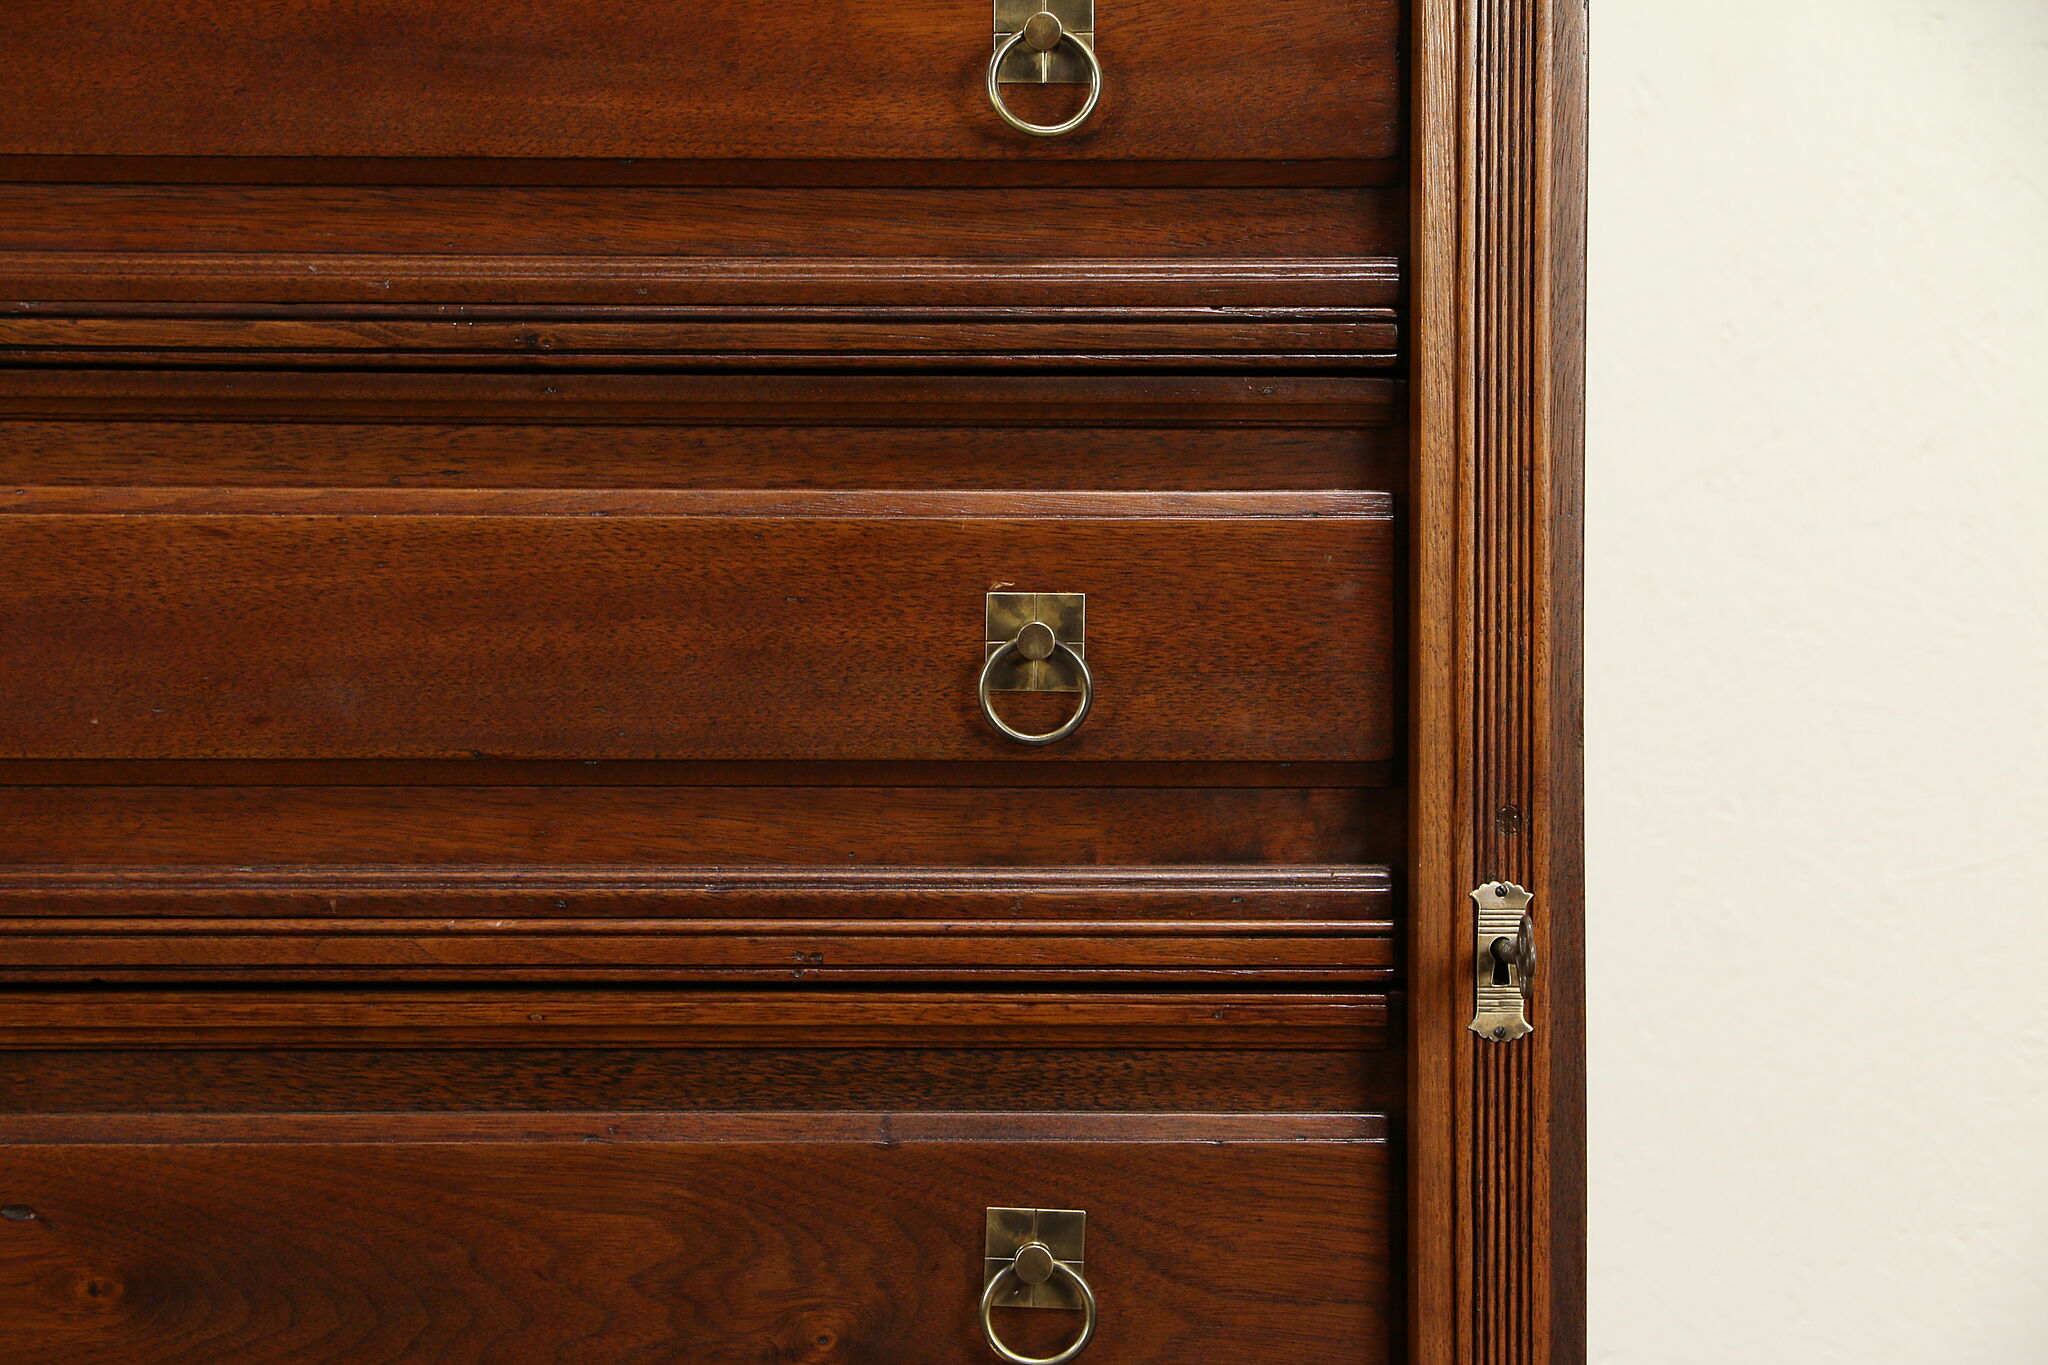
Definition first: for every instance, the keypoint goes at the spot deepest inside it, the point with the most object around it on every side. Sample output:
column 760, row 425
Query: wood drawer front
column 295, row 1178
column 153, row 623
column 628, row 1239
column 768, row 79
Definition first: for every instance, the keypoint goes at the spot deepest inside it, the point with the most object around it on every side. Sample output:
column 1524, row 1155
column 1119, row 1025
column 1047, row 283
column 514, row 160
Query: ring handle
column 1037, row 32
column 1043, row 1258
column 1058, row 649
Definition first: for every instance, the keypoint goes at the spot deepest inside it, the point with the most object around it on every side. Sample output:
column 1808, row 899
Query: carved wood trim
column 729, row 399
column 468, row 1129
column 103, row 283
column 403, row 923
column 1165, row 896
column 1497, row 1237
column 540, row 1018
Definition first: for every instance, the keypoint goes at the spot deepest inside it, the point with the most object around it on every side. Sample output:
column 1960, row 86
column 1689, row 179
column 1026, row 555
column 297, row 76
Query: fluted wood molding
column 1498, row 1129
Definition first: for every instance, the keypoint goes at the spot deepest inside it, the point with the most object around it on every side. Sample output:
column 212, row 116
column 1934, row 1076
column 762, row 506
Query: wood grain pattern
column 764, row 80
column 1497, row 1130
column 130, row 1130
column 603, row 773
column 799, row 924
column 665, row 1050
column 554, row 824
column 963, row 172
column 1334, row 340
column 277, row 624
column 1155, row 897
column 1338, row 1075
column 1152, row 401
column 645, row 1245
column 174, row 1211
column 1044, row 1021
column 546, row 952
column 728, row 243
column 532, row 1172
column 445, row 455
column 855, row 263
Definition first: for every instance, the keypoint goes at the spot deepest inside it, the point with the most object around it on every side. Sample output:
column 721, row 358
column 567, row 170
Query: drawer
column 1290, row 79
column 671, row 624
column 569, row 1178
column 390, row 678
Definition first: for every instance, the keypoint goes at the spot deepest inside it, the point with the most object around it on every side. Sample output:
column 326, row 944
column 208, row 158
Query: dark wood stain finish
column 479, row 79
column 410, row 923
column 1496, row 1203
column 228, row 1175
column 790, row 1240
column 275, row 624
column 499, row 859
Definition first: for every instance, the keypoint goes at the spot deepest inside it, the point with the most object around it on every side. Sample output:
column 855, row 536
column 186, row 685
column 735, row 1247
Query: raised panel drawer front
column 622, row 1238
column 361, row 676
column 279, row 1180
column 152, row 624
column 591, row 78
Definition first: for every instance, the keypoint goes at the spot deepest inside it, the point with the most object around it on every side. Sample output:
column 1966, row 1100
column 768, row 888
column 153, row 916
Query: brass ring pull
column 1044, row 32
column 1036, row 641
column 1034, row 1265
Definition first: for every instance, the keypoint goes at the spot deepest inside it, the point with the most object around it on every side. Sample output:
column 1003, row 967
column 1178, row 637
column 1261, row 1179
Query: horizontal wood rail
column 561, row 1018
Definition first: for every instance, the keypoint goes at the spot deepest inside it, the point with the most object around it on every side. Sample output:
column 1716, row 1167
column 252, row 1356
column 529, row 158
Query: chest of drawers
column 673, row 690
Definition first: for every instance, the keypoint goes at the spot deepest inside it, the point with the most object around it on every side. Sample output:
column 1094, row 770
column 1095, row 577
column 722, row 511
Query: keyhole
column 1502, row 947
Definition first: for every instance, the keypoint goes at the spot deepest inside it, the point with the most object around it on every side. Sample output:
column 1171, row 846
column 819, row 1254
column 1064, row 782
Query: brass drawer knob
column 1042, row 33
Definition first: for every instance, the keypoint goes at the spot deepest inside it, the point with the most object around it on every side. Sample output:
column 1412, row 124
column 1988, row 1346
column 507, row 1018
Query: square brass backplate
column 1062, row 65
column 1006, row 613
column 1062, row 1231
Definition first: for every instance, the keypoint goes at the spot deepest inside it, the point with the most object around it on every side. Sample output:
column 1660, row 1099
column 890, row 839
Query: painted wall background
column 1818, row 682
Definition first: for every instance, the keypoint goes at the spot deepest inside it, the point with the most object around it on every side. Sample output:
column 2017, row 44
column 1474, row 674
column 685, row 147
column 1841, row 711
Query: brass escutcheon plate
column 1501, row 993
column 1061, row 66
column 1006, row 613
column 1063, row 1232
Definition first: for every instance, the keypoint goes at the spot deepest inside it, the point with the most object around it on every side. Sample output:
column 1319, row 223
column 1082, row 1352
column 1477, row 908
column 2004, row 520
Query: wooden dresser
column 761, row 683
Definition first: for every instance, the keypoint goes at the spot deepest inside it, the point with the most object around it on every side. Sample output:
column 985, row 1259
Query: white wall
column 1818, row 682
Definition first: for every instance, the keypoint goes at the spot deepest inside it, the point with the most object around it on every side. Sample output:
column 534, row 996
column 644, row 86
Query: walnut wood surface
column 500, row 455
column 1150, row 401
column 789, row 1240
column 731, row 243
column 358, row 952
column 1497, row 1132
column 496, row 172
column 797, row 924
column 537, row 1175
column 268, row 623
column 263, row 822
column 1040, row 1022
column 841, row 264
column 469, row 78
column 883, row 894
column 814, row 250
column 1334, row 1075
column 610, row 773
column 269, row 1130
column 240, row 1051
column 1336, row 340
